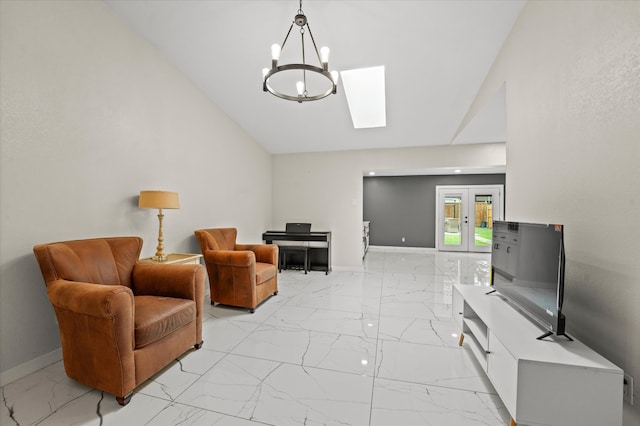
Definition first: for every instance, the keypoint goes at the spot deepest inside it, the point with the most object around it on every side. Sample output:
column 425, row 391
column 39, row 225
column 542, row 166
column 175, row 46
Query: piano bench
column 284, row 250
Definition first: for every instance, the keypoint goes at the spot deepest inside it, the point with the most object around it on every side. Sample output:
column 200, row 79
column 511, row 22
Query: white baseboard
column 348, row 268
column 402, row 249
column 29, row 367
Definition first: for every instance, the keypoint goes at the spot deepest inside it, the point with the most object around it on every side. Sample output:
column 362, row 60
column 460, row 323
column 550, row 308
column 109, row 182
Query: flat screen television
column 527, row 268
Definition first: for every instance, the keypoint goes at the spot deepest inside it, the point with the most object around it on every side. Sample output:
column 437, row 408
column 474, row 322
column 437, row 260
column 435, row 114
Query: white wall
column 326, row 188
column 90, row 115
column 572, row 72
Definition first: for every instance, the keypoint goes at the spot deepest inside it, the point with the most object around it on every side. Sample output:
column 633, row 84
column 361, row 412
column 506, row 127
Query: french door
column 465, row 215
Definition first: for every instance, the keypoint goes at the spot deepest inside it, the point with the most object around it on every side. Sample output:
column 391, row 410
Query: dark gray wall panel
column 404, row 206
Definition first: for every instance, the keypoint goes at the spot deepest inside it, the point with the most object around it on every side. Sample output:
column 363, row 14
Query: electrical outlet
column 403, row 239
column 627, row 393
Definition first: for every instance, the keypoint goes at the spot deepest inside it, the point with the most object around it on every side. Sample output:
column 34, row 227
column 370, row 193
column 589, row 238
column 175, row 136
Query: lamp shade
column 158, row 200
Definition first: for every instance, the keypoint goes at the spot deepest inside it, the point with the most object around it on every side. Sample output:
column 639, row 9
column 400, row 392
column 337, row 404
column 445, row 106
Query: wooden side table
column 175, row 258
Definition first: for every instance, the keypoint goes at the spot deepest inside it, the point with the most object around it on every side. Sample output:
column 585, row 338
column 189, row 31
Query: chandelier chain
column 304, row 72
column 287, row 36
column 314, row 43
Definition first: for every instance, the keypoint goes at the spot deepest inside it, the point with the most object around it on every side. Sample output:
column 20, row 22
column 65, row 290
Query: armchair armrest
column 96, row 325
column 96, row 300
column 265, row 253
column 236, row 258
column 183, row 281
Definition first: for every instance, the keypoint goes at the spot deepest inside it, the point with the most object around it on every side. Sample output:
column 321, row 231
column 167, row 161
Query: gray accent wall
column 405, row 206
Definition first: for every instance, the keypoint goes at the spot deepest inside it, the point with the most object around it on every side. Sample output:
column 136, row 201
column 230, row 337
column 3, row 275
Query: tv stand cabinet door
column 502, row 369
column 457, row 308
column 552, row 394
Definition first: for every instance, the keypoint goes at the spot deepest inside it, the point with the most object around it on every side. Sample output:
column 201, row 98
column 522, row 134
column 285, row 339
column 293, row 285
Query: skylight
column 365, row 92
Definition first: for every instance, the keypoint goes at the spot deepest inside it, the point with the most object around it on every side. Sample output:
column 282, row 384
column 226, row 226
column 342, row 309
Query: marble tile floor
column 373, row 346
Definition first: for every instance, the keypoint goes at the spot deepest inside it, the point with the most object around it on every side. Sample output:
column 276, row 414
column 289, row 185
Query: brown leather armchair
column 241, row 275
column 120, row 322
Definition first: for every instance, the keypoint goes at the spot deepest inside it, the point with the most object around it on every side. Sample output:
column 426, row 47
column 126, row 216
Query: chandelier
column 314, row 82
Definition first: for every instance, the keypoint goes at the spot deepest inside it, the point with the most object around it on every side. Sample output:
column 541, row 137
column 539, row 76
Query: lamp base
column 160, row 258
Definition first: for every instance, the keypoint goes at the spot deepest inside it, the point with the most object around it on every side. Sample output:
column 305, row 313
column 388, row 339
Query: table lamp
column 159, row 200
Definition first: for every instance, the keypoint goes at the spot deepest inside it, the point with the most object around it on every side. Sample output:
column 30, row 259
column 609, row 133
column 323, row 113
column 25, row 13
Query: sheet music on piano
column 297, row 227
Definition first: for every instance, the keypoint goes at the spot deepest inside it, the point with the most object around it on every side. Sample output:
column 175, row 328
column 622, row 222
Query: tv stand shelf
column 541, row 382
column 476, row 334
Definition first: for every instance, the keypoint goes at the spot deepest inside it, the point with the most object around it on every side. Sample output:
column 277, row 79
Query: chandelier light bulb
column 275, row 51
column 324, row 54
column 300, row 88
column 336, row 76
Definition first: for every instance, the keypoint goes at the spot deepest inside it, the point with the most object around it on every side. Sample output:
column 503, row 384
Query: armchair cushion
column 156, row 317
column 265, row 272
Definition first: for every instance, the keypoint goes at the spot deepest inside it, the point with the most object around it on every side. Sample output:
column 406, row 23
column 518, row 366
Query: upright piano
column 319, row 244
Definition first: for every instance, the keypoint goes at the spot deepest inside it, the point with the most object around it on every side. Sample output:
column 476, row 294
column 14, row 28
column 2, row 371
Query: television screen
column 527, row 265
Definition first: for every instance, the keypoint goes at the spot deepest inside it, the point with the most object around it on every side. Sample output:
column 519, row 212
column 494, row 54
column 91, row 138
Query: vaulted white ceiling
column 436, row 55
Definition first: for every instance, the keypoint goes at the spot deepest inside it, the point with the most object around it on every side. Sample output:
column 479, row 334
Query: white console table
column 541, row 382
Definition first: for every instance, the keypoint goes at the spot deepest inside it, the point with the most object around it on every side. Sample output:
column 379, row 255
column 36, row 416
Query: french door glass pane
column 453, row 220
column 483, row 219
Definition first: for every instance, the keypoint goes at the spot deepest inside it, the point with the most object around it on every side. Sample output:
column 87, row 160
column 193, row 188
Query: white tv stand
column 541, row 382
